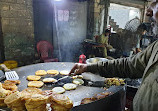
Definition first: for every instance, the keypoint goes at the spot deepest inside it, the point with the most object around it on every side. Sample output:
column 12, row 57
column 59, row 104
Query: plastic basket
column 11, row 64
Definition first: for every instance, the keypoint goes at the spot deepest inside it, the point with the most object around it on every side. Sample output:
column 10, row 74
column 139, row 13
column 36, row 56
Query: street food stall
column 40, row 41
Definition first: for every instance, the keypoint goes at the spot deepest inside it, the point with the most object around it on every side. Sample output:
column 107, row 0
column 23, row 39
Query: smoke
column 71, row 33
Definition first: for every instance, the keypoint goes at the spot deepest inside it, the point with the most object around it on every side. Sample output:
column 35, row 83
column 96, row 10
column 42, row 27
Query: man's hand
column 78, row 68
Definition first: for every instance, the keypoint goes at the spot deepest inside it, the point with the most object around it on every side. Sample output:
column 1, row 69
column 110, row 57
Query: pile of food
column 32, row 99
column 108, row 82
column 37, row 82
column 95, row 97
column 114, row 81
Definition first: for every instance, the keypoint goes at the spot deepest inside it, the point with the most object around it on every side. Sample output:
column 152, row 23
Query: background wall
column 122, row 14
column 70, row 34
column 17, row 29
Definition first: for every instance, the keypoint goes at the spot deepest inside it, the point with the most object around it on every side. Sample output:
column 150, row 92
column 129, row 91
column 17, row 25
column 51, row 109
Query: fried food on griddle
column 2, row 104
column 33, row 78
column 101, row 95
column 10, row 86
column 49, row 80
column 58, row 107
column 62, row 100
column 26, row 93
column 36, row 84
column 78, row 81
column 95, row 97
column 40, row 73
column 39, row 108
column 36, row 102
column 87, row 100
column 3, row 94
column 13, row 81
column 55, row 72
column 114, row 81
column 64, row 72
column 69, row 86
column 58, row 90
column 14, row 102
column 47, row 92
column 32, row 90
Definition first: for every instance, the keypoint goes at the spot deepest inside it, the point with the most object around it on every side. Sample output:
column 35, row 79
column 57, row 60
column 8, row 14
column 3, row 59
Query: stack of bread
column 15, row 102
column 36, row 102
column 6, row 88
column 33, row 99
column 48, row 93
column 26, row 93
column 11, row 85
column 60, row 102
column 3, row 94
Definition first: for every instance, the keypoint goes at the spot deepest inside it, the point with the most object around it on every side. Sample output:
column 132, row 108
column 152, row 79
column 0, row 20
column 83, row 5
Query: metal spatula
column 63, row 78
column 10, row 75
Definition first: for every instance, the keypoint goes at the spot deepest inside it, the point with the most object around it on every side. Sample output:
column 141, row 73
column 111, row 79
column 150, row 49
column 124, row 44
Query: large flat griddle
column 81, row 92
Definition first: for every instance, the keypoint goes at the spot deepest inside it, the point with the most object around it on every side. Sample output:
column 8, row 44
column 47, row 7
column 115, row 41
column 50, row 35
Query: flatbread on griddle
column 40, row 73
column 55, row 72
column 69, row 86
column 13, row 81
column 37, row 84
column 78, row 81
column 64, row 72
column 58, row 90
column 33, row 78
column 49, row 80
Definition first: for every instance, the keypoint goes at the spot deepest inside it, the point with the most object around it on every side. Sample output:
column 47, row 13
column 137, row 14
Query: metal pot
column 95, row 60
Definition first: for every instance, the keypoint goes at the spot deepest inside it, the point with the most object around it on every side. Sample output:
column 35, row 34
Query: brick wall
column 17, row 29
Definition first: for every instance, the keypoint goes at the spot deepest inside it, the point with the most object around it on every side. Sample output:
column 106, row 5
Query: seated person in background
column 103, row 39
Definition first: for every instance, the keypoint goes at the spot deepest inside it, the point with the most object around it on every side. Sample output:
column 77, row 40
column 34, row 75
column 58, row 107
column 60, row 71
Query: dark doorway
column 43, row 20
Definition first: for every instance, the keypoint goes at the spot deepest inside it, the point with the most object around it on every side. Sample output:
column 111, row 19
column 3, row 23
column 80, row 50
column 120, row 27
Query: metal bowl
column 95, row 60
